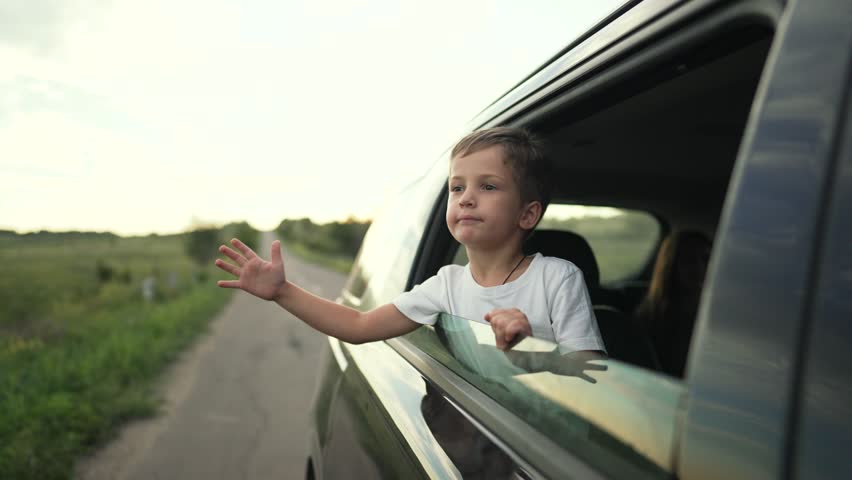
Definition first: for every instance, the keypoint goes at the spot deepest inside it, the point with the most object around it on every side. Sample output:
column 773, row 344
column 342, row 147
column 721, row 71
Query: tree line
column 338, row 239
column 341, row 239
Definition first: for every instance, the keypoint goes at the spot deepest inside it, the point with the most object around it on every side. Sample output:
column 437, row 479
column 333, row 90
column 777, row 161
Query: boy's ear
column 530, row 215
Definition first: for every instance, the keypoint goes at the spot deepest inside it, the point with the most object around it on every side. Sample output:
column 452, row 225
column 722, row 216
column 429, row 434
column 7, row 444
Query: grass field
column 80, row 346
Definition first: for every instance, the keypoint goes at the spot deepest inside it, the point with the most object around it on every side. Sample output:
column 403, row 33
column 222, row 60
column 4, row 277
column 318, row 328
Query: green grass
column 45, row 278
column 79, row 356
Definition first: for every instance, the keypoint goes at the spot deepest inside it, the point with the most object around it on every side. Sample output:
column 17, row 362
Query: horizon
column 553, row 211
column 180, row 232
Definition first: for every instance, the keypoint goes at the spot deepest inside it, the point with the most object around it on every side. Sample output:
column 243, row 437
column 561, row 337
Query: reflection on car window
column 444, row 441
column 617, row 417
column 472, row 453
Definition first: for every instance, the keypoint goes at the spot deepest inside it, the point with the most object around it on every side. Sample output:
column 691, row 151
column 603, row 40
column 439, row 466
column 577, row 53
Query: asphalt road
column 235, row 404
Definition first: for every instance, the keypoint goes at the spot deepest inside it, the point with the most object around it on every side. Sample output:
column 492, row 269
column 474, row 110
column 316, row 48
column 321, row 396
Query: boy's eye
column 488, row 186
column 455, row 188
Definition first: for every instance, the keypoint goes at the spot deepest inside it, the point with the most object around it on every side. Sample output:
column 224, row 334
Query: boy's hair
column 522, row 152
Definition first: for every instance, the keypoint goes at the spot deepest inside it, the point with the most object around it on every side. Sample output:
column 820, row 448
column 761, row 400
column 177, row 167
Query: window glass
column 622, row 240
column 618, row 418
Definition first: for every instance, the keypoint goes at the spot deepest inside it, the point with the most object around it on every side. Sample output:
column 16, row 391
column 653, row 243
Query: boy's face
column 484, row 209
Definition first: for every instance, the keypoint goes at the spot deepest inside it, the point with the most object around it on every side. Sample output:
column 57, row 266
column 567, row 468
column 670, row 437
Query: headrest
column 569, row 246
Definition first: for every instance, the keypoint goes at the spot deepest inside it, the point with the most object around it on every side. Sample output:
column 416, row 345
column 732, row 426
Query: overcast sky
column 140, row 116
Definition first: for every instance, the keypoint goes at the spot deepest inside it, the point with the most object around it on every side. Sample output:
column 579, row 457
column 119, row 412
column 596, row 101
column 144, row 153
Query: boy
column 498, row 191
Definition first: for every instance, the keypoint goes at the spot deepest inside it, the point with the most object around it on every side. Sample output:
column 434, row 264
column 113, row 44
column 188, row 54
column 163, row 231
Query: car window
column 615, row 416
column 623, row 241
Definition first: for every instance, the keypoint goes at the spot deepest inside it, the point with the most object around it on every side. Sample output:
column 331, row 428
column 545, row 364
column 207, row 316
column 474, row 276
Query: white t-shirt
column 551, row 293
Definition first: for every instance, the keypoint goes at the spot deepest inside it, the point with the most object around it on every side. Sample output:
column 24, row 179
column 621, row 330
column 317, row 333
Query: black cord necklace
column 513, row 270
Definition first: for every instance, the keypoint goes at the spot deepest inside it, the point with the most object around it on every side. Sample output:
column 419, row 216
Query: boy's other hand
column 254, row 275
column 508, row 324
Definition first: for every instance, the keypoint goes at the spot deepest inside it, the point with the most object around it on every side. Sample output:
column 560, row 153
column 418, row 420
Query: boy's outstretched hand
column 254, row 275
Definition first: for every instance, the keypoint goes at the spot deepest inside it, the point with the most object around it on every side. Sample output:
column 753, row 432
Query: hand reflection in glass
column 574, row 364
column 472, row 345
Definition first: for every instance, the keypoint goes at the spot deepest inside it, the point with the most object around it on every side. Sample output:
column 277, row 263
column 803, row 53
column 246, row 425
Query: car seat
column 569, row 246
column 623, row 339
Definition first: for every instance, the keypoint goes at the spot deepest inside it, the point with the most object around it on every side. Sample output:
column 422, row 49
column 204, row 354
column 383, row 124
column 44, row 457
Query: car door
column 369, row 397
column 730, row 417
column 742, row 377
column 556, row 417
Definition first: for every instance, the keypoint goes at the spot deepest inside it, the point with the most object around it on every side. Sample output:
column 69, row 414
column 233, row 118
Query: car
column 725, row 118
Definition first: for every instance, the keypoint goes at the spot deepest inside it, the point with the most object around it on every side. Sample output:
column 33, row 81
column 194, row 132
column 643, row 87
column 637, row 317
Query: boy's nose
column 466, row 199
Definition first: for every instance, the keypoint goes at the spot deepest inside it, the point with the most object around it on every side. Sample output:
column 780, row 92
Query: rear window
column 623, row 241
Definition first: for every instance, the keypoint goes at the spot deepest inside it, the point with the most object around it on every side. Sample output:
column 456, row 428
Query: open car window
column 617, row 417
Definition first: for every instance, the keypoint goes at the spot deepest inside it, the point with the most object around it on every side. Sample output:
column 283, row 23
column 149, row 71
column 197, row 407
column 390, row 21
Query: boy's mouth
column 468, row 219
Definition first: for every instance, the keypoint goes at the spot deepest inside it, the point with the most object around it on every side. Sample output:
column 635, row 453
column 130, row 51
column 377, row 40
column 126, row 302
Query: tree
column 202, row 244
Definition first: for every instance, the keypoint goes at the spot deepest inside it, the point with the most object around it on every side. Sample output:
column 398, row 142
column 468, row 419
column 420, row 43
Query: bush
column 103, row 271
column 242, row 230
column 202, row 244
column 342, row 239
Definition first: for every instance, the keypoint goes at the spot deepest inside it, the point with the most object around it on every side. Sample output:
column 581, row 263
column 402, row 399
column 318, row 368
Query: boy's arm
column 343, row 322
column 267, row 280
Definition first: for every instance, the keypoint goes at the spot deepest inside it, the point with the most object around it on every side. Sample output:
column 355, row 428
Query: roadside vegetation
column 89, row 321
column 333, row 245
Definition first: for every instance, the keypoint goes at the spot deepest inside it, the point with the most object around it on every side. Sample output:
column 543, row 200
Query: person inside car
column 499, row 187
column 669, row 308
